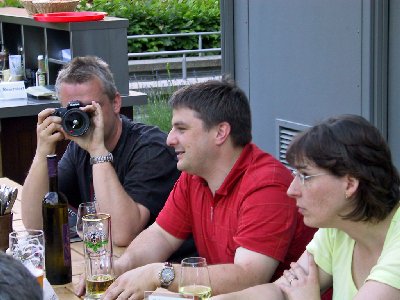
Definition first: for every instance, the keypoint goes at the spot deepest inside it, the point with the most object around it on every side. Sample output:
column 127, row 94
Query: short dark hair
column 16, row 282
column 83, row 69
column 217, row 101
column 350, row 145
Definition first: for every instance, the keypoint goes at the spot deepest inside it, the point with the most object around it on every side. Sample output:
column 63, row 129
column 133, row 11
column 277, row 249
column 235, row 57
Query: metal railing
column 199, row 49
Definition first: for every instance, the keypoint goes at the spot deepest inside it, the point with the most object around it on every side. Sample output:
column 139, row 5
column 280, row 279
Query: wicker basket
column 28, row 5
column 44, row 7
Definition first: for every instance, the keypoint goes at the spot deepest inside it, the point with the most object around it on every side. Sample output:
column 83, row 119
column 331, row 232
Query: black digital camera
column 74, row 121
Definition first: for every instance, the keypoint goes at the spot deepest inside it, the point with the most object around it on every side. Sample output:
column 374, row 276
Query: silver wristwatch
column 166, row 275
column 101, row 159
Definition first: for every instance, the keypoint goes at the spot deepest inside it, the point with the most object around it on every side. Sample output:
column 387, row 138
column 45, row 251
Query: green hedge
column 12, row 3
column 163, row 16
column 159, row 16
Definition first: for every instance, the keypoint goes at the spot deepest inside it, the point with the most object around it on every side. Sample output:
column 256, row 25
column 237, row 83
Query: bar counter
column 31, row 106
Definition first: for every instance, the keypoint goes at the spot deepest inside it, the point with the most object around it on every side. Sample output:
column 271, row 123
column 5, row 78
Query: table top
column 64, row 292
column 31, row 106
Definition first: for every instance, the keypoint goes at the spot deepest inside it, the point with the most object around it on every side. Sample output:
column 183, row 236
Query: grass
column 156, row 112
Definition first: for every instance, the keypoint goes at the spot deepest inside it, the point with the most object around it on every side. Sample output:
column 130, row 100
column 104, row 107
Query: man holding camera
column 125, row 166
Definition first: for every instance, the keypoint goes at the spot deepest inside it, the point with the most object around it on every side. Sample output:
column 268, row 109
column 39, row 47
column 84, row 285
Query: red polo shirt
column 249, row 210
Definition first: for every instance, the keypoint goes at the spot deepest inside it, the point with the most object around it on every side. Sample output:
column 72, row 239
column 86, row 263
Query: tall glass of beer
column 28, row 247
column 98, row 254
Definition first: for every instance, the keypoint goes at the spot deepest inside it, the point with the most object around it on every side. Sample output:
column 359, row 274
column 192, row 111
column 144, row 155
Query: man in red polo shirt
column 231, row 196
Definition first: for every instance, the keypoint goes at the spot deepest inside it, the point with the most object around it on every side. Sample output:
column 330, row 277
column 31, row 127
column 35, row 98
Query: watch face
column 167, row 274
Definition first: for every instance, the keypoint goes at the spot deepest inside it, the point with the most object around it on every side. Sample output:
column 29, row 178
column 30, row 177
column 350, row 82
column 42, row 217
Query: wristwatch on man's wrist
column 166, row 275
column 101, row 159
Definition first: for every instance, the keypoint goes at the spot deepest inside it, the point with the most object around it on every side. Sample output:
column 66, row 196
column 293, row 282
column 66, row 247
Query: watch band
column 166, row 275
column 102, row 159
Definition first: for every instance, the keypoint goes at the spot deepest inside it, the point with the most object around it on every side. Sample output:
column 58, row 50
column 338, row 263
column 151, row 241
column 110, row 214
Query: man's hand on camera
column 48, row 131
column 93, row 140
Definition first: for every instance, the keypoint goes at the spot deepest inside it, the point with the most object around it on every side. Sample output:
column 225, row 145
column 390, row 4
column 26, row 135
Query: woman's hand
column 299, row 284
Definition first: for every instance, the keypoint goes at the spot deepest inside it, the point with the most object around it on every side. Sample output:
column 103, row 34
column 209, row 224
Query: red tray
column 76, row 16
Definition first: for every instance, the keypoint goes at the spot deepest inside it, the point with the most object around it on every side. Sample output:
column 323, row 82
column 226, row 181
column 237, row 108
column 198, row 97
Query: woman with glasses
column 344, row 183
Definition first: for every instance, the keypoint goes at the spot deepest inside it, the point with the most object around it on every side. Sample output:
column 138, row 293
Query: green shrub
column 163, row 16
column 12, row 3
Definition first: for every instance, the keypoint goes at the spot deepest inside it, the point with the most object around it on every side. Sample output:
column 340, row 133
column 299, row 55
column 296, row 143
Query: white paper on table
column 48, row 292
column 160, row 295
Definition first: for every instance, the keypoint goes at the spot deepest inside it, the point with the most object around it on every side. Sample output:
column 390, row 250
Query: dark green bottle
column 56, row 229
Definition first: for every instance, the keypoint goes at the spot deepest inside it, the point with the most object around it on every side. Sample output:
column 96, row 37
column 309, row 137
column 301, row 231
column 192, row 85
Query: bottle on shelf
column 21, row 52
column 2, row 57
column 15, row 62
column 5, row 67
column 56, row 229
column 41, row 73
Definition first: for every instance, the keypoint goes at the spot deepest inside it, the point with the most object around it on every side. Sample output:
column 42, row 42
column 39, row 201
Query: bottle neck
column 53, row 184
column 52, row 171
column 41, row 65
column 5, row 61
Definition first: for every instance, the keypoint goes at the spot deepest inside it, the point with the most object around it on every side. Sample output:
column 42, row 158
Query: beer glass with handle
column 195, row 280
column 98, row 254
column 28, row 247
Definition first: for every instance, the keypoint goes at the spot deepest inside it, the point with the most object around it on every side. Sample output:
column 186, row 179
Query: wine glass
column 195, row 280
column 84, row 209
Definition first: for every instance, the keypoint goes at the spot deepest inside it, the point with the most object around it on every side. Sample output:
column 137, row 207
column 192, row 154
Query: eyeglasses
column 304, row 178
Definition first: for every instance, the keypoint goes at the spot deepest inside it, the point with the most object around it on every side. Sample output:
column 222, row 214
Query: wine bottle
column 56, row 229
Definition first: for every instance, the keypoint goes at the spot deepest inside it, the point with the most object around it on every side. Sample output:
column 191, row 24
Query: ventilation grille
column 286, row 132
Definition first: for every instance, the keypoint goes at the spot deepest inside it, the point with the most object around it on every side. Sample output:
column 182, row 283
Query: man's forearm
column 148, row 247
column 227, row 278
column 35, row 187
column 128, row 219
column 224, row 278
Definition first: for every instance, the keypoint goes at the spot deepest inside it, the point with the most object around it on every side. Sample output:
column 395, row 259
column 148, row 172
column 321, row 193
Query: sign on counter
column 12, row 90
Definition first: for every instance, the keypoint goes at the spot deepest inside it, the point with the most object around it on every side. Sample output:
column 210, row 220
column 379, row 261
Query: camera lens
column 76, row 122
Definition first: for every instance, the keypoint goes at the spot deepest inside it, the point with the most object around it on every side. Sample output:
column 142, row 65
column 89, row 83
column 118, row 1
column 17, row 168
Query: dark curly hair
column 350, row 145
